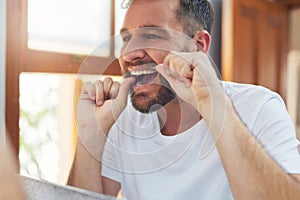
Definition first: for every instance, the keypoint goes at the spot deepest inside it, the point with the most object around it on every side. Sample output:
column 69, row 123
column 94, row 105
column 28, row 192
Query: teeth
column 142, row 72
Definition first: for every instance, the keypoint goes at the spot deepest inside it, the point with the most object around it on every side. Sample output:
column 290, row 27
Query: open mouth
column 144, row 75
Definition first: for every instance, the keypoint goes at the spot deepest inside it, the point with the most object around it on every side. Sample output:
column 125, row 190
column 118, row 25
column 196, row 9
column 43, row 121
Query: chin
column 146, row 104
column 143, row 103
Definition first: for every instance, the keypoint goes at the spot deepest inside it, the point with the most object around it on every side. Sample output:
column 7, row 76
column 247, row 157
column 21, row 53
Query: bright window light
column 119, row 17
column 70, row 26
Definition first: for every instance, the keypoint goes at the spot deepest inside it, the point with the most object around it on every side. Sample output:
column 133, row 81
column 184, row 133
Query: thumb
column 124, row 90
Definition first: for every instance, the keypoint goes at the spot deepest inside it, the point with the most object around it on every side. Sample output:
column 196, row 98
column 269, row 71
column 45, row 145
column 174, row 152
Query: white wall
column 294, row 32
column 293, row 90
column 2, row 63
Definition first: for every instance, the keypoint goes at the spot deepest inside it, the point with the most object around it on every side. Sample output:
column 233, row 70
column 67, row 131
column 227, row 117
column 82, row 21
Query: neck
column 176, row 117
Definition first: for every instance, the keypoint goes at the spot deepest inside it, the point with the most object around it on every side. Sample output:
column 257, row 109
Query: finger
column 124, row 90
column 166, row 73
column 183, row 71
column 183, row 68
column 179, row 69
column 173, row 71
column 168, row 61
column 114, row 90
column 172, row 76
column 99, row 93
column 88, row 91
column 179, row 63
column 107, row 83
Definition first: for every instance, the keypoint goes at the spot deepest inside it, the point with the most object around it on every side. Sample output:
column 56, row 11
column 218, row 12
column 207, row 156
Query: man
column 185, row 134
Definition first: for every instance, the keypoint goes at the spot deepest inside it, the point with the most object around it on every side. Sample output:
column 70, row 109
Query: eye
column 152, row 36
column 126, row 38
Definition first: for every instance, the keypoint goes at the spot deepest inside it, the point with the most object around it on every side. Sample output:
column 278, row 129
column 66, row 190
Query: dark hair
column 194, row 15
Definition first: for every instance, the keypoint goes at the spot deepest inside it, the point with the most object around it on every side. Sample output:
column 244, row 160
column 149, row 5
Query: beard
column 165, row 95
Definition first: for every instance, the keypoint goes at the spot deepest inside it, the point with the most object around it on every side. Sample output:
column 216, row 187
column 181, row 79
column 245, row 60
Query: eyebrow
column 150, row 27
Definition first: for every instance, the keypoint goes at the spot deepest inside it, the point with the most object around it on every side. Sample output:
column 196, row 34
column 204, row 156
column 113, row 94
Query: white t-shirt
column 152, row 166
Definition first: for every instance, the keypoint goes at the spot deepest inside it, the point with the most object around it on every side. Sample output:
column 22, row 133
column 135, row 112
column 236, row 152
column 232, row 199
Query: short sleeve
column 276, row 133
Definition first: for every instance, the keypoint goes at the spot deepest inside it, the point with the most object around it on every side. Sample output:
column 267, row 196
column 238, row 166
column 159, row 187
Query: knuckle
column 107, row 83
column 116, row 86
column 98, row 83
column 87, row 85
column 107, row 80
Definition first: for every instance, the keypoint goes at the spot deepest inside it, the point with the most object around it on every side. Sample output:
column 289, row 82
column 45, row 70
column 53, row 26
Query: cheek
column 122, row 64
column 156, row 55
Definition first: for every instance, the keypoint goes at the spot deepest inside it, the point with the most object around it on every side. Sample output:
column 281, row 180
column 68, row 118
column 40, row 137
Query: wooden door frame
column 2, row 66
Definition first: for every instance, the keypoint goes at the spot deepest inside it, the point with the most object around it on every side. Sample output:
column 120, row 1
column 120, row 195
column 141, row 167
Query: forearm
column 94, row 123
column 86, row 168
column 85, row 172
column 251, row 172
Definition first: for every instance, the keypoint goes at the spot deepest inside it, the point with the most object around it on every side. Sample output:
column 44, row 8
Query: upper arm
column 276, row 133
column 110, row 187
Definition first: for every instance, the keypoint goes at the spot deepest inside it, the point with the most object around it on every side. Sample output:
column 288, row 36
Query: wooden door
column 255, row 43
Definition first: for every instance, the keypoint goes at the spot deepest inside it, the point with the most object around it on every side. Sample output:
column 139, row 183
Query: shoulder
column 241, row 93
column 252, row 101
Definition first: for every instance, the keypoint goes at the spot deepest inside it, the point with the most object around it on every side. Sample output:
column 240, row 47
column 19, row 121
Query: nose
column 133, row 49
column 133, row 55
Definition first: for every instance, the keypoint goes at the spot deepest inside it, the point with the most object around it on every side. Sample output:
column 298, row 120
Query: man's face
column 150, row 31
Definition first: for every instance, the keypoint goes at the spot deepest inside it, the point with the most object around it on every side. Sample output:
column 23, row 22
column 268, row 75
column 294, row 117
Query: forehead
column 160, row 13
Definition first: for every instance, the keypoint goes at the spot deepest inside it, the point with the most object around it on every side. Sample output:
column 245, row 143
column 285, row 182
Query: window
column 47, row 43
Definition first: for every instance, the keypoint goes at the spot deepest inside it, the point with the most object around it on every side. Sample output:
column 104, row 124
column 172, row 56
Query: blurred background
column 48, row 48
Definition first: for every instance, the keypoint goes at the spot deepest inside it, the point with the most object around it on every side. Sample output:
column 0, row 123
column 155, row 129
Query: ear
column 203, row 40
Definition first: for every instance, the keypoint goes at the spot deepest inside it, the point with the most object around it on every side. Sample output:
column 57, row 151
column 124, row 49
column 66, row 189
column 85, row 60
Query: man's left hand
column 192, row 77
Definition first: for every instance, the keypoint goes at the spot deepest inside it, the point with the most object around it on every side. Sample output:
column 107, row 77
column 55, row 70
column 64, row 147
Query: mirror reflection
column 154, row 99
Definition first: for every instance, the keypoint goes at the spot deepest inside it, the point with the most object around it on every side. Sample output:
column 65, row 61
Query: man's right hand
column 99, row 106
column 94, row 121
